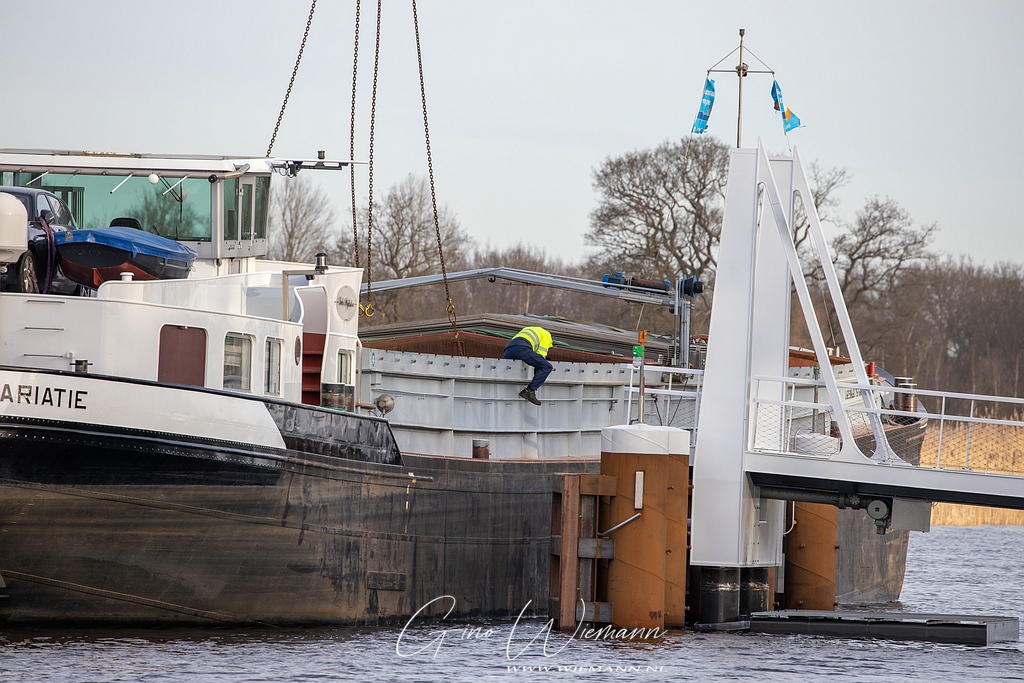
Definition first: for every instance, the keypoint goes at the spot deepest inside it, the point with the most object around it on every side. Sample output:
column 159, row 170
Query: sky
column 920, row 101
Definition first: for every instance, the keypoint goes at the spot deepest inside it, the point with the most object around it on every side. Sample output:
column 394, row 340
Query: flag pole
column 741, row 71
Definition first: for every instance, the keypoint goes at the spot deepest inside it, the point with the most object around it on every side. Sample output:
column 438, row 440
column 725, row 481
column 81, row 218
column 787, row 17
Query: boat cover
column 130, row 240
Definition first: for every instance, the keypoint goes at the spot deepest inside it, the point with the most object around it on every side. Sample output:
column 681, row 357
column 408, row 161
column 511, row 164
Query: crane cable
column 449, row 305
column 291, row 82
column 367, row 309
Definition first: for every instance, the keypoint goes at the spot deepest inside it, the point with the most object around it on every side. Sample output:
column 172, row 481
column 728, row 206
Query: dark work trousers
column 521, row 349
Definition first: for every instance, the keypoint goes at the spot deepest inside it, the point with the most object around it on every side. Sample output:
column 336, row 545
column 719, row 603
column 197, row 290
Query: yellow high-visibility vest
column 539, row 338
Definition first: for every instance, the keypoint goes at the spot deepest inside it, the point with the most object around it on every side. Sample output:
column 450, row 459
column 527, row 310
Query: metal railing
column 671, row 397
column 943, row 430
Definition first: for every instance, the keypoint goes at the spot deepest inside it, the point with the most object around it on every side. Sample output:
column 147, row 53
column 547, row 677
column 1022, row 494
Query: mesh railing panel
column 948, row 431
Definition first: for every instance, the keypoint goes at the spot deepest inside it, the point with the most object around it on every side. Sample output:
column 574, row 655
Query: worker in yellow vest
column 531, row 346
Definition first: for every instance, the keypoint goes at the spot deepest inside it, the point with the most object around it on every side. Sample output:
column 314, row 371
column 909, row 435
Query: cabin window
column 272, row 379
column 237, row 361
column 245, row 209
column 262, row 203
column 230, row 209
column 345, row 367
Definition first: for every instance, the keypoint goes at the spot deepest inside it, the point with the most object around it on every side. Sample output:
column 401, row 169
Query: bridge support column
column 811, row 557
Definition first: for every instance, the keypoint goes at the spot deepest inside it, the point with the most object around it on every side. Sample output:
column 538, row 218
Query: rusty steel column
column 646, row 582
column 811, row 558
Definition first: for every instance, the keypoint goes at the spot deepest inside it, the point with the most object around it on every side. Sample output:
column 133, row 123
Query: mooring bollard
column 647, row 579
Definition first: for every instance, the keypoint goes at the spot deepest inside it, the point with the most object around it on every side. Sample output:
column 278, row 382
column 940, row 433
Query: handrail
column 955, row 438
column 800, row 381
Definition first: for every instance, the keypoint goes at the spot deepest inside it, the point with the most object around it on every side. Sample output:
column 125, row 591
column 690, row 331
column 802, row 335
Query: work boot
column 530, row 395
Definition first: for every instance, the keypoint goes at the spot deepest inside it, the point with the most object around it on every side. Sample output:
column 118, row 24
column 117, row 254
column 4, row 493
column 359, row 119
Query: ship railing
column 936, row 429
column 671, row 397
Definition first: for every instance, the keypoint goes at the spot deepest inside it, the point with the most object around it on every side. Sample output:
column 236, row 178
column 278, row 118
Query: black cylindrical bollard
column 754, row 595
column 719, row 595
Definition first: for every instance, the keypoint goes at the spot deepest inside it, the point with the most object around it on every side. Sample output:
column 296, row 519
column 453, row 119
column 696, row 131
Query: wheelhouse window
column 176, row 206
column 237, row 361
column 272, row 369
column 245, row 194
column 262, row 202
column 230, row 209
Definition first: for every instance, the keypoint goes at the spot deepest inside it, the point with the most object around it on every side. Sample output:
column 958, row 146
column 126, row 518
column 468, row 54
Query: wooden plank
column 555, row 561
column 588, row 530
column 597, row 485
column 569, row 564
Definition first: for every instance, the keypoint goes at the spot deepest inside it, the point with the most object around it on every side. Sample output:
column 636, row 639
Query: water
column 952, row 569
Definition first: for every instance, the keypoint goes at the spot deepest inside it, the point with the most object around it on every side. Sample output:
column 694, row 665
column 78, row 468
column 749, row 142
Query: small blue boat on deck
column 92, row 256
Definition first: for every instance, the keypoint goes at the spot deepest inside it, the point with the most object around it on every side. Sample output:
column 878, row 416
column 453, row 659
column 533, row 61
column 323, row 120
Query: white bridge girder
column 733, row 526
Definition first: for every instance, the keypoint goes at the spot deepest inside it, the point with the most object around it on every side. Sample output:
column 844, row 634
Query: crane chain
column 291, row 82
column 367, row 310
column 449, row 305
column 352, row 137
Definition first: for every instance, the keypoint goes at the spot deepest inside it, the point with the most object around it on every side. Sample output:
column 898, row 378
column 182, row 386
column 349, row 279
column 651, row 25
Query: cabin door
column 182, row 355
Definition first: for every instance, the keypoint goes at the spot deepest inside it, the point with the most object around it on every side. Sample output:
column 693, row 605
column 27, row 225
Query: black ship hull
column 102, row 525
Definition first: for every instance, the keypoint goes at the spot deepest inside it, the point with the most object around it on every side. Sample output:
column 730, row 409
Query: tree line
column 942, row 319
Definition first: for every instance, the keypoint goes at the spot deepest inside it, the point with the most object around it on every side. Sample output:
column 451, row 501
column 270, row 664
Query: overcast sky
column 920, row 101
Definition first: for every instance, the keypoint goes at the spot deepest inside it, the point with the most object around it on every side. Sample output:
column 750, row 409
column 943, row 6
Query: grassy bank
column 993, row 448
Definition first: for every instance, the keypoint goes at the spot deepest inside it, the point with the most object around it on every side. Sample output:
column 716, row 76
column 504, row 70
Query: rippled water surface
column 972, row 570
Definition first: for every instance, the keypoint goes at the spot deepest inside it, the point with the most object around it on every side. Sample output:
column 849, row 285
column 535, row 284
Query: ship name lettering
column 38, row 395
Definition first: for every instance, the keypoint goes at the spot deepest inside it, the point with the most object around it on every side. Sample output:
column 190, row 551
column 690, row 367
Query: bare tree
column 873, row 251
column 404, row 236
column 662, row 207
column 872, row 257
column 952, row 325
column 404, row 244
column 302, row 220
column 510, row 297
column 824, row 184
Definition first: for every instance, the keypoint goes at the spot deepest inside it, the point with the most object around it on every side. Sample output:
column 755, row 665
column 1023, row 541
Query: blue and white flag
column 789, row 119
column 708, row 101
